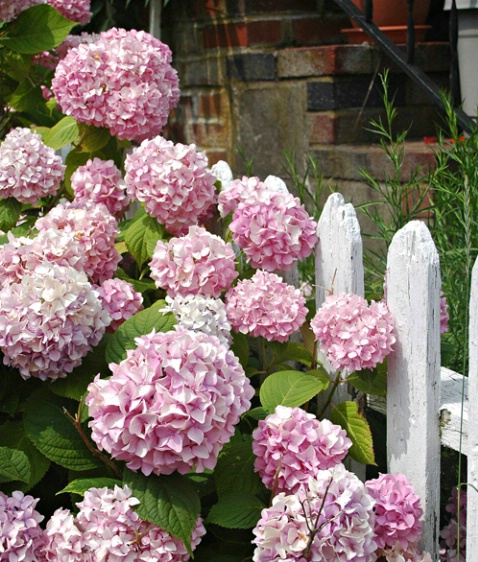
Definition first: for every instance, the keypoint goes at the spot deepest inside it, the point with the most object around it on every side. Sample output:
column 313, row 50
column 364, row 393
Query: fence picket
column 413, row 394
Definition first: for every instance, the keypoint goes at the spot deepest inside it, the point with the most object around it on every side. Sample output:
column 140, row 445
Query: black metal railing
column 405, row 61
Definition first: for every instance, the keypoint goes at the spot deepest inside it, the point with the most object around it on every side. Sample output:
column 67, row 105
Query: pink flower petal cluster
column 172, row 180
column 444, row 315
column 73, row 41
column 266, row 306
column 106, row 529
column 397, row 511
column 234, row 192
column 291, row 445
column 120, row 301
column 100, row 181
column 205, row 314
column 332, row 519
column 10, row 9
column 398, row 554
column 124, row 81
column 49, row 321
column 171, row 404
column 74, row 10
column 273, row 229
column 352, row 334
column 94, row 228
column 449, row 550
column 21, row 537
column 199, row 263
column 29, row 170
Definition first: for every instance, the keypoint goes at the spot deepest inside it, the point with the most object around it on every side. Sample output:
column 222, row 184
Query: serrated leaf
column 235, row 469
column 168, row 501
column 346, row 415
column 63, row 133
column 55, row 436
column 289, row 388
column 140, row 324
column 141, row 237
column 81, row 485
column 370, row 381
column 236, row 511
column 14, row 465
column 10, row 210
column 37, row 29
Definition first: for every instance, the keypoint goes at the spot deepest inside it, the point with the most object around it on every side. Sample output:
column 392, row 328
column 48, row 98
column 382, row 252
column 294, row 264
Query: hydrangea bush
column 155, row 395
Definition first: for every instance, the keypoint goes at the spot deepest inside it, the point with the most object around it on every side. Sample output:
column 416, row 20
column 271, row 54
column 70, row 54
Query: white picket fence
column 424, row 400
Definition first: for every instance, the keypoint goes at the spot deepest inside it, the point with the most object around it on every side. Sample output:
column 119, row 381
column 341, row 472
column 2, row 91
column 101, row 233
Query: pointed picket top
column 413, row 393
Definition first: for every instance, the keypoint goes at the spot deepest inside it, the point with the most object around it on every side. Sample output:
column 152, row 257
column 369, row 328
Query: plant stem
column 336, row 383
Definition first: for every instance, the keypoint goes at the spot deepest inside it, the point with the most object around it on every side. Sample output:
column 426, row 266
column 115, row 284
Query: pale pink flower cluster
column 74, row 10
column 172, row 180
column 10, row 9
column 266, row 306
column 171, row 404
column 398, row 554
column 397, row 511
column 100, row 181
column 205, row 314
column 73, row 41
column 106, row 529
column 444, row 316
column 94, row 228
column 272, row 228
column 352, row 334
column 124, row 81
column 234, row 192
column 291, row 445
column 332, row 519
column 449, row 551
column 120, row 301
column 29, row 170
column 199, row 263
column 21, row 537
column 49, row 321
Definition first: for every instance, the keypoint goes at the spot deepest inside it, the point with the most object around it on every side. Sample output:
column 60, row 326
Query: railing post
column 413, row 391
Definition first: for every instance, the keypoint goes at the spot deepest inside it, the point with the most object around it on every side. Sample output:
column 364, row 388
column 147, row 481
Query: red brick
column 225, row 35
column 264, row 32
column 209, row 105
column 322, row 127
column 216, row 154
column 306, row 61
column 209, row 134
column 317, row 30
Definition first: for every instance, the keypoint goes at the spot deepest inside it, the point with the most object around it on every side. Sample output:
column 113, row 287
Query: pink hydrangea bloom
column 397, row 510
column 120, row 301
column 21, row 537
column 273, row 229
column 171, row 404
column 449, row 551
column 444, row 316
column 73, row 41
column 352, row 334
column 106, row 528
column 343, row 522
column 95, row 229
column 235, row 191
column 291, row 445
column 10, row 9
column 172, row 180
column 398, row 554
column 123, row 81
column 74, row 10
column 266, row 306
column 199, row 263
column 29, row 170
column 49, row 321
column 100, row 181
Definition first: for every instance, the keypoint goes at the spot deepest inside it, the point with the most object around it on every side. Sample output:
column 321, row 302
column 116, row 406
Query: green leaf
column 236, row 511
column 257, row 413
column 370, row 381
column 93, row 138
column 10, row 210
column 73, row 160
column 168, row 501
column 346, row 415
column 26, row 97
column 14, row 465
column 235, row 469
column 141, row 237
column 15, row 65
column 140, row 324
column 37, row 29
column 240, row 348
column 81, row 485
column 63, row 133
column 140, row 285
column 54, row 435
column 290, row 388
column 293, row 352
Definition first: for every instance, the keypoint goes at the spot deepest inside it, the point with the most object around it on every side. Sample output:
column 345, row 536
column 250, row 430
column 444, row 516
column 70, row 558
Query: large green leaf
column 236, row 511
column 291, row 388
column 50, row 430
column 10, row 210
column 141, row 237
column 93, row 138
column 81, row 485
column 63, row 133
column 370, row 381
column 15, row 65
column 347, row 415
column 140, row 324
column 14, row 465
column 26, row 97
column 168, row 501
column 37, row 29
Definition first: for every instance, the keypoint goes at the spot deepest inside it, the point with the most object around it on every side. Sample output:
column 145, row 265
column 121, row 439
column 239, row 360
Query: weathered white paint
column 413, row 393
column 155, row 7
column 472, row 489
